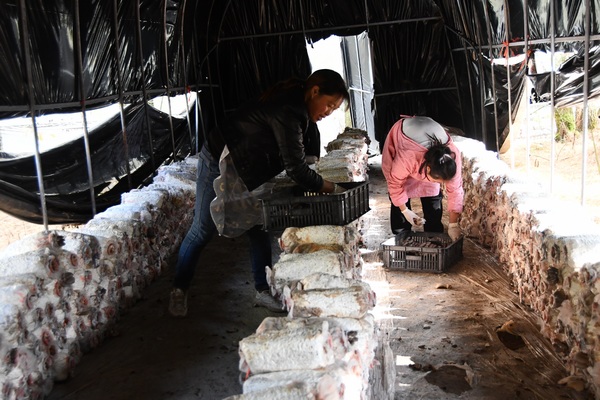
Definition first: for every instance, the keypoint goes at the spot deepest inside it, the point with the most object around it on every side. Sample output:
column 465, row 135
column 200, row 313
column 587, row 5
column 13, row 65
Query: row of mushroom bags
column 61, row 291
column 324, row 348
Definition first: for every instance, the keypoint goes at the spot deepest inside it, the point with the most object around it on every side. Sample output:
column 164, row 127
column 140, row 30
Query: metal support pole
column 487, row 19
column 82, row 98
column 206, row 58
column 58, row 107
column 362, row 97
column 510, row 135
column 120, row 87
column 219, row 39
column 552, row 78
column 528, row 92
column 31, row 95
column 167, row 84
column 138, row 33
column 471, row 95
column 479, row 52
column 586, row 66
column 415, row 91
column 336, row 28
column 467, row 66
column 184, row 65
column 197, row 109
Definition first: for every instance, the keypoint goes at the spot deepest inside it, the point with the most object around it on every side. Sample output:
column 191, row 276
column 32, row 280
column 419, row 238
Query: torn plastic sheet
column 569, row 88
column 114, row 165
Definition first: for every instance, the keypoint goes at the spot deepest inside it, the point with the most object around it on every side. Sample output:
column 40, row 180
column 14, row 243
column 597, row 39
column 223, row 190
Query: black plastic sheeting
column 569, row 80
column 404, row 88
column 406, row 56
column 437, row 58
column 117, row 167
column 483, row 43
column 150, row 58
column 53, row 46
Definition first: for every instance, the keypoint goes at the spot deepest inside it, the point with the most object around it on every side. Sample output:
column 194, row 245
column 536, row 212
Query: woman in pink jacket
column 419, row 159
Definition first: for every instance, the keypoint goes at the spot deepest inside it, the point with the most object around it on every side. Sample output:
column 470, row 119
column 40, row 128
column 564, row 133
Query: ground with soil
column 442, row 328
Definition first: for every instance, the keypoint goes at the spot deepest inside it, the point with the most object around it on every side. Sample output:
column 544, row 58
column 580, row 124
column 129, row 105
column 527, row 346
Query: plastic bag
column 235, row 209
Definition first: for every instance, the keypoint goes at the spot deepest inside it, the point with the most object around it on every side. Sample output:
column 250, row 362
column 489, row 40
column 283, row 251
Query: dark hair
column 329, row 83
column 440, row 160
column 280, row 87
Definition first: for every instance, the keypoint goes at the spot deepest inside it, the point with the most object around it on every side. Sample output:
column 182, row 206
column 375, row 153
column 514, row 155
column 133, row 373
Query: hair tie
column 444, row 158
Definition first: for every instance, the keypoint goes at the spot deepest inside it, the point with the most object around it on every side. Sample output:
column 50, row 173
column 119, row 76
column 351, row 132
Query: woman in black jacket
column 261, row 140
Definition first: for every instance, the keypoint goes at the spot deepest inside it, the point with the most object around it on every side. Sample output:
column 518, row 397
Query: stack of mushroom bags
column 549, row 248
column 325, row 347
column 346, row 157
column 62, row 290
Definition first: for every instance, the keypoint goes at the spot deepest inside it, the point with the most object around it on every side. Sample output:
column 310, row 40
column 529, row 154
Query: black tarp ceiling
column 433, row 58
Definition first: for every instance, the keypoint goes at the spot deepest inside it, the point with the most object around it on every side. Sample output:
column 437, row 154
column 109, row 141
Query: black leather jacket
column 264, row 138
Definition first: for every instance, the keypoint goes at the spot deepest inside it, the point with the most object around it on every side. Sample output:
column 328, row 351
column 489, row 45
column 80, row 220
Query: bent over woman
column 418, row 159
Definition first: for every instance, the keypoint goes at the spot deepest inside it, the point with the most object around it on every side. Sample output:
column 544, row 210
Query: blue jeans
column 203, row 228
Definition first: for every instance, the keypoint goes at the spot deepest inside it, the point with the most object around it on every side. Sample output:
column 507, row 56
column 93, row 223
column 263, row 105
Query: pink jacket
column 401, row 159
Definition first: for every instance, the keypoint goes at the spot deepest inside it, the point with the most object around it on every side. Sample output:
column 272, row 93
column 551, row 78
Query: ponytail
column 440, row 160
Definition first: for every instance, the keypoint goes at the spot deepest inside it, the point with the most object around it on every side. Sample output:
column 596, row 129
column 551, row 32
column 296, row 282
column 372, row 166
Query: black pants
column 432, row 212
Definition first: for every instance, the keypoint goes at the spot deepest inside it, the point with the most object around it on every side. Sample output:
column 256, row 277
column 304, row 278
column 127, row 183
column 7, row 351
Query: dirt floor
column 442, row 329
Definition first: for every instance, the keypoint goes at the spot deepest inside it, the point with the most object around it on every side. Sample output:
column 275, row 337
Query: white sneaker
column 264, row 299
column 178, row 303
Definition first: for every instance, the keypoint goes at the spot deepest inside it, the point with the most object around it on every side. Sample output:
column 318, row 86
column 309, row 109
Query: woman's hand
column 338, row 189
column 453, row 229
column 330, row 187
column 413, row 218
